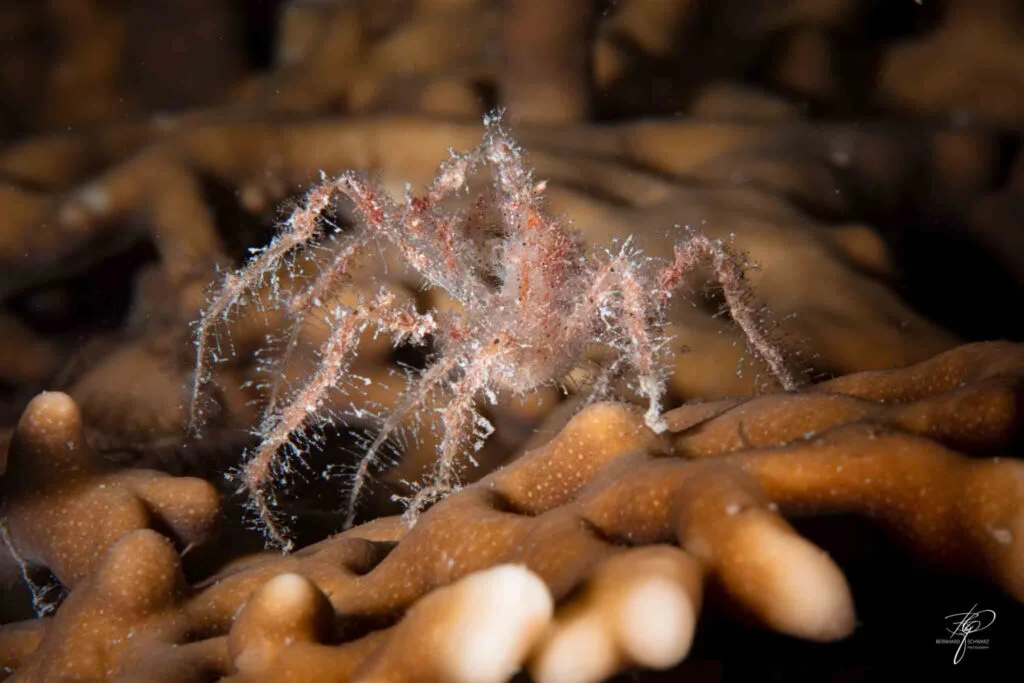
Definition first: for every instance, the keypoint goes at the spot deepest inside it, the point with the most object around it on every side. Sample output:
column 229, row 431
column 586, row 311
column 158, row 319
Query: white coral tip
column 505, row 610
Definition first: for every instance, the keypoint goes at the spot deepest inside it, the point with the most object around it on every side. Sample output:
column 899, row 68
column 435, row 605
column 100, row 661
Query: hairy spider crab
column 533, row 298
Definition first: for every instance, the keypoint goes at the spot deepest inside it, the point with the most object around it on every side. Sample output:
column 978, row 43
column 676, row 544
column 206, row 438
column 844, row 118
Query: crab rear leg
column 698, row 249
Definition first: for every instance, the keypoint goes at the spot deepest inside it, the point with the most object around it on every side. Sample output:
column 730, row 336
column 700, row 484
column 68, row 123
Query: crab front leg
column 301, row 228
column 621, row 299
column 434, row 376
column 640, row 317
column 306, row 405
column 235, row 287
column 302, row 304
column 461, row 422
column 278, row 429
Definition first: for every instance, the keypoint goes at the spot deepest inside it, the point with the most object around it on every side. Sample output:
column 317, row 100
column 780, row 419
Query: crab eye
column 495, row 341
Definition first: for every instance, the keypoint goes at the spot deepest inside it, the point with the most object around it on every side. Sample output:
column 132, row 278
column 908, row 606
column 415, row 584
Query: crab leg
column 301, row 227
column 299, row 308
column 280, row 429
column 460, row 419
column 434, row 375
column 698, row 249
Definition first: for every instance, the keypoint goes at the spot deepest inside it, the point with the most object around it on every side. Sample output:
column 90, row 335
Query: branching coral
column 551, row 572
column 124, row 621
column 64, row 506
column 617, row 527
column 532, row 300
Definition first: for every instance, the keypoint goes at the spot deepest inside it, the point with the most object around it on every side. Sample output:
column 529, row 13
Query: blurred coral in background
column 864, row 158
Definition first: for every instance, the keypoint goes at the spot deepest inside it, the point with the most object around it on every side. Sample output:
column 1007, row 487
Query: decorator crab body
column 531, row 299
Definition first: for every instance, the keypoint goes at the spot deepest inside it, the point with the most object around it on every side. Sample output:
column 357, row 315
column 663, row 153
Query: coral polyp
column 532, row 300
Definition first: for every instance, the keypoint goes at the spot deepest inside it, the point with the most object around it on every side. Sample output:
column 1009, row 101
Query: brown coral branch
column 545, row 74
column 615, row 521
column 64, row 505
